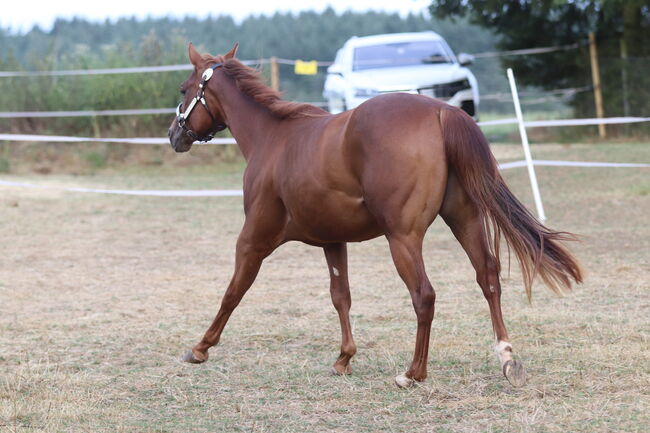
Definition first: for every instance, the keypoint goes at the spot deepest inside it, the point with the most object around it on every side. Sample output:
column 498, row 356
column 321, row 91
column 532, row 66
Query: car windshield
column 400, row 54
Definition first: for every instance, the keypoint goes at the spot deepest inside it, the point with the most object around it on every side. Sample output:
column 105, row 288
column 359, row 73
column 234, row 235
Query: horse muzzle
column 179, row 140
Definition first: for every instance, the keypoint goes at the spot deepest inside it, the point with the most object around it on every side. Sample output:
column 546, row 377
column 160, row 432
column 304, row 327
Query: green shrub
column 96, row 159
column 5, row 167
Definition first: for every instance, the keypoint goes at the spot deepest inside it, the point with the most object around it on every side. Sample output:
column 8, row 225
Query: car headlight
column 365, row 93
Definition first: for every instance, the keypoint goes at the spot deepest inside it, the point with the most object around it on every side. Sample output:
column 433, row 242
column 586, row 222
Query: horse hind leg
column 406, row 250
column 466, row 223
column 404, row 206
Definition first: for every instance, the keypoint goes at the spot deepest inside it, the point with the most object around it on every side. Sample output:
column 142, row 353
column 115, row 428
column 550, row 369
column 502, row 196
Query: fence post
column 595, row 78
column 626, row 104
column 95, row 123
column 275, row 74
column 524, row 142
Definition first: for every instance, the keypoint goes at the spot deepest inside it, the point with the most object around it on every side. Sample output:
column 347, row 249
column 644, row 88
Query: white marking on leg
column 503, row 349
column 335, row 271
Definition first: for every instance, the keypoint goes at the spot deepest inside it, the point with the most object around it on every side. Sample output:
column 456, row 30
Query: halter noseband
column 181, row 118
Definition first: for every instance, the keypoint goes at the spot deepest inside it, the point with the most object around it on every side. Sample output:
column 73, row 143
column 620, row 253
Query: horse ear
column 195, row 56
column 230, row 54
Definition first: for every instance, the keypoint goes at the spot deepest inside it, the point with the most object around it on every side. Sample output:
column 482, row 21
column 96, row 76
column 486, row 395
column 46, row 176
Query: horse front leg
column 337, row 262
column 252, row 248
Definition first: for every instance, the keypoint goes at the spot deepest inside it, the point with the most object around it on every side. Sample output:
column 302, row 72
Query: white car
column 400, row 62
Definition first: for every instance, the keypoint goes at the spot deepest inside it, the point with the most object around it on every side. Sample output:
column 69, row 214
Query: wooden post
column 95, row 123
column 275, row 74
column 626, row 103
column 595, row 78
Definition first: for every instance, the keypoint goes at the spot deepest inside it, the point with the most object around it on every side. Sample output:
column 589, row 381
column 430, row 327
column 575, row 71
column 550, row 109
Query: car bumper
column 460, row 99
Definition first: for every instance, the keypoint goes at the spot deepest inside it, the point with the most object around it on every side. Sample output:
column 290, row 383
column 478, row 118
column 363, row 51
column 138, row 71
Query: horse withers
column 386, row 168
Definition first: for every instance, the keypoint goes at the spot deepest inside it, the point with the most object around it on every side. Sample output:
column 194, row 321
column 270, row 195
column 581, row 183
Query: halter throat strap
column 181, row 118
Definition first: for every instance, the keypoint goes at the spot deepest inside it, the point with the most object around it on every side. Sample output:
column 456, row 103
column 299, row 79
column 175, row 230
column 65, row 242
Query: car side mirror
column 465, row 59
column 336, row 69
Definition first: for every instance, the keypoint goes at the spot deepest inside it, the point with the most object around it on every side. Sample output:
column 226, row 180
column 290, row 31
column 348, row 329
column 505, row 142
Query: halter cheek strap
column 181, row 118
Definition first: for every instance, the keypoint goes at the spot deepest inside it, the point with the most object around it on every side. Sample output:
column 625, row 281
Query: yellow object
column 306, row 68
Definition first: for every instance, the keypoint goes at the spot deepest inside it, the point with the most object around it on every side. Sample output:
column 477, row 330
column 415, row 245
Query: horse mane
column 250, row 83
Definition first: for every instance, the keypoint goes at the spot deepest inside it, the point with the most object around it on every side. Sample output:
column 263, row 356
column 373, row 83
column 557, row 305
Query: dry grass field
column 100, row 295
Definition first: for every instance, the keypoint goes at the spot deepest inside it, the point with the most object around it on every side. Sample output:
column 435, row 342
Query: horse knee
column 428, row 298
column 424, row 303
column 341, row 300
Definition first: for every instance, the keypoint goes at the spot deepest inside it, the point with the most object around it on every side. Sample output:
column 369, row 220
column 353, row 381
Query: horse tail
column 537, row 247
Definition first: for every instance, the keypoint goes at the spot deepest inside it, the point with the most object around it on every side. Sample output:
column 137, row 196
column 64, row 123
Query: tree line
column 82, row 44
column 470, row 26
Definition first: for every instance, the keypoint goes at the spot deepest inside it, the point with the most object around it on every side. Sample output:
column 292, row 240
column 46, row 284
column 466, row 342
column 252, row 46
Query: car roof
column 392, row 38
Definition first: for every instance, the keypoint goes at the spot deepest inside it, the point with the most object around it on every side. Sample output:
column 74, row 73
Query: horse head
column 192, row 124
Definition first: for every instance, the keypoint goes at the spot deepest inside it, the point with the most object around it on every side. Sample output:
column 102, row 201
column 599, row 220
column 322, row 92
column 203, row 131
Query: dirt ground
column 101, row 294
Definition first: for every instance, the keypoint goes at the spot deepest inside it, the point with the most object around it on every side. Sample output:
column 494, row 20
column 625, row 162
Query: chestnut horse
column 388, row 167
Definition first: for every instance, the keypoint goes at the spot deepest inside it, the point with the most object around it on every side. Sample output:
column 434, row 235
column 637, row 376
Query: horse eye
column 183, row 91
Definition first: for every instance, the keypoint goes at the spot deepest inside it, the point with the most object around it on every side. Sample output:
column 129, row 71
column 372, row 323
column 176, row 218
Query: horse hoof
column 515, row 373
column 193, row 359
column 341, row 370
column 404, row 382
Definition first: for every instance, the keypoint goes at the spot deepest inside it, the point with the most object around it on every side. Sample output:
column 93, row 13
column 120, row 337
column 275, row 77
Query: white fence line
column 107, row 71
column 186, row 67
column 554, row 163
column 68, row 139
column 500, row 97
column 140, row 192
column 164, row 140
column 85, row 113
column 566, row 122
column 134, row 69
column 91, row 113
column 528, row 51
column 583, row 122
column 239, row 193
column 104, row 71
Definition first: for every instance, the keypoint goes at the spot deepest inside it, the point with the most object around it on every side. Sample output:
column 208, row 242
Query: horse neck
column 248, row 121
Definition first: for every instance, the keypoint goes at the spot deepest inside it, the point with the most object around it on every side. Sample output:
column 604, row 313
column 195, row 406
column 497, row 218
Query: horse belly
column 334, row 217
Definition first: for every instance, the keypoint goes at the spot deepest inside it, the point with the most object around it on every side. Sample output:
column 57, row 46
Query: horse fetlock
column 348, row 351
column 503, row 350
column 342, row 364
